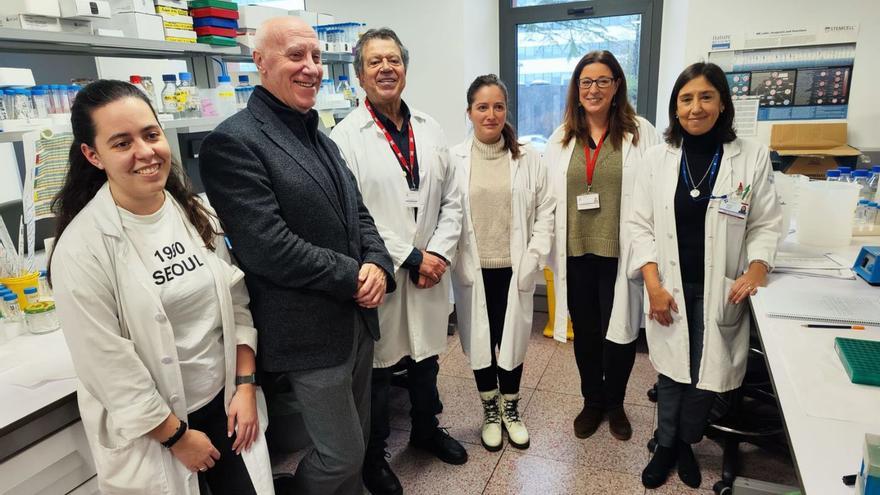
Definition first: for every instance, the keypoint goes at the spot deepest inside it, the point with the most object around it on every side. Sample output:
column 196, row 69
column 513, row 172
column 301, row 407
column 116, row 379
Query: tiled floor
column 556, row 462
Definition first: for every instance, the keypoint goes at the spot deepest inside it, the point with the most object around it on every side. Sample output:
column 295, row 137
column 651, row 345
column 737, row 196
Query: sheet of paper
column 746, row 115
column 791, row 260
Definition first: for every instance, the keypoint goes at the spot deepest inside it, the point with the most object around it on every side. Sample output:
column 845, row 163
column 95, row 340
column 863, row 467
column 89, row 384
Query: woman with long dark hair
column 154, row 313
column 506, row 232
column 592, row 161
column 705, row 226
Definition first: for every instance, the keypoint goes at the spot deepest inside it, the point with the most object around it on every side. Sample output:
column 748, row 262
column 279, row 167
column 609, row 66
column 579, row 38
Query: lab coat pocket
column 730, row 314
column 736, row 229
column 525, row 272
column 135, row 468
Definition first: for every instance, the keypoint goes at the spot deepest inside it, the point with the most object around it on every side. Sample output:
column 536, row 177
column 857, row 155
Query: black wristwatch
column 246, row 379
column 181, row 429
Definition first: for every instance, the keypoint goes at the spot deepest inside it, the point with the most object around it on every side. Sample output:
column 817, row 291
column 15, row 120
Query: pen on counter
column 844, row 327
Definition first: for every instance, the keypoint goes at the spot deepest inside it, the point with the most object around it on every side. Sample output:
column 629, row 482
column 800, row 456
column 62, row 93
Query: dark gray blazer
column 300, row 249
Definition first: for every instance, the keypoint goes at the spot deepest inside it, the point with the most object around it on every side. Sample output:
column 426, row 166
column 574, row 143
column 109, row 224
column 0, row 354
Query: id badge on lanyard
column 736, row 203
column 590, row 200
column 411, row 199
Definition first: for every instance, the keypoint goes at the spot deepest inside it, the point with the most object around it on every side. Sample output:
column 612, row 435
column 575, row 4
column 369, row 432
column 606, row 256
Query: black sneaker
column 657, row 471
column 443, row 446
column 379, row 479
column 688, row 468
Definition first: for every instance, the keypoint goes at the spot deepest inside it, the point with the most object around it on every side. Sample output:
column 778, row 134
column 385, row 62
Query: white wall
column 688, row 26
column 450, row 42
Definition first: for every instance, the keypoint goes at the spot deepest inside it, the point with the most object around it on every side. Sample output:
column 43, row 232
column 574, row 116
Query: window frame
column 651, row 12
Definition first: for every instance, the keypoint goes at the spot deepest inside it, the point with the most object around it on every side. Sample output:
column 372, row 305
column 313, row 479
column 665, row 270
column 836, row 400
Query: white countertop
column 35, row 372
column 824, row 449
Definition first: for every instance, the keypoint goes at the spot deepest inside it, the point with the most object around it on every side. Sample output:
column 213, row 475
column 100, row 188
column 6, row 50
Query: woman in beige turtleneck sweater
column 507, row 228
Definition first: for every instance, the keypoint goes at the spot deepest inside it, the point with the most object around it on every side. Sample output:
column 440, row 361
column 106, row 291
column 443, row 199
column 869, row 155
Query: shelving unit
column 108, row 46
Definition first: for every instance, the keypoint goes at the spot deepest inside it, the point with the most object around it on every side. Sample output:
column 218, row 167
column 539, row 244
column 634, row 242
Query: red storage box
column 214, row 12
column 216, row 31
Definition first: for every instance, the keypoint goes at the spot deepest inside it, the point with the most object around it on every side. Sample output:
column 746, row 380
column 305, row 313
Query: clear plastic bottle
column 31, row 295
column 226, row 96
column 11, row 309
column 874, row 180
column 73, row 89
column 8, row 98
column 191, row 105
column 169, row 95
column 861, row 212
column 45, row 289
column 860, row 177
column 832, row 175
column 845, row 174
column 40, row 103
column 59, row 94
column 870, row 213
column 22, row 104
column 139, row 83
column 344, row 89
column 4, row 113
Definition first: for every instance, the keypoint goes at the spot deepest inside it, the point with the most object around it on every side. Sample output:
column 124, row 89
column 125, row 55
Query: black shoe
column 379, row 478
column 688, row 468
column 443, row 446
column 619, row 424
column 587, row 422
column 657, row 471
column 283, row 483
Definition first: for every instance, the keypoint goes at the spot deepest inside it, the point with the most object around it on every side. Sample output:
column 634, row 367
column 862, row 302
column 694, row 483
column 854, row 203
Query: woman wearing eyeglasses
column 591, row 160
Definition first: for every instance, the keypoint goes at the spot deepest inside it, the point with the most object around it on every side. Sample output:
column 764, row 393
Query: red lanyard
column 407, row 165
column 591, row 160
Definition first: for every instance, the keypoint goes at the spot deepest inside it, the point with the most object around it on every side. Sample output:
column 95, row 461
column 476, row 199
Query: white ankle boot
column 490, row 435
column 516, row 429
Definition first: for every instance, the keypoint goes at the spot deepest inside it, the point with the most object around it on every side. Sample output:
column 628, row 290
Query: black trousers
column 229, row 475
column 604, row 366
column 497, row 284
column 682, row 408
column 423, row 398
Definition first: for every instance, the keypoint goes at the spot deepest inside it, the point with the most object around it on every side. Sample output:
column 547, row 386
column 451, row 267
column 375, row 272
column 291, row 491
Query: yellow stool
column 551, row 308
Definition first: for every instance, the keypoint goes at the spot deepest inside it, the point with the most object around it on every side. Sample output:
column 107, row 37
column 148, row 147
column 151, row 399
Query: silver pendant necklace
column 695, row 192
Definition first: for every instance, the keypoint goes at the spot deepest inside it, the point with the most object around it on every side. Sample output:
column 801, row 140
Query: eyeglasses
column 601, row 83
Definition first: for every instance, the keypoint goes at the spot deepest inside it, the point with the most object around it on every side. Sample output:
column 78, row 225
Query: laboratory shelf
column 245, row 54
column 49, row 42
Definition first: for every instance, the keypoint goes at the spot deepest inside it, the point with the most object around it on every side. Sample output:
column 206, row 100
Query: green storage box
column 860, row 358
column 217, row 40
column 220, row 4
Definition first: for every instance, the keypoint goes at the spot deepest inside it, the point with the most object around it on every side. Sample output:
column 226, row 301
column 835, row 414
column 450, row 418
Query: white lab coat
column 125, row 356
column 626, row 310
column 731, row 244
column 531, row 233
column 412, row 321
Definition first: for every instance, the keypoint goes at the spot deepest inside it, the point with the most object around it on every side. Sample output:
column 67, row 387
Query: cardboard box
column 252, row 16
column 812, row 149
column 10, row 77
column 311, row 18
column 84, row 9
column 174, row 4
column 177, row 22
column 114, row 33
column 142, row 6
column 48, row 8
column 32, row 22
column 135, row 25
column 181, row 34
column 77, row 26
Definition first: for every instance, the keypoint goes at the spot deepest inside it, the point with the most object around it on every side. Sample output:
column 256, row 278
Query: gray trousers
column 335, row 407
column 682, row 408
